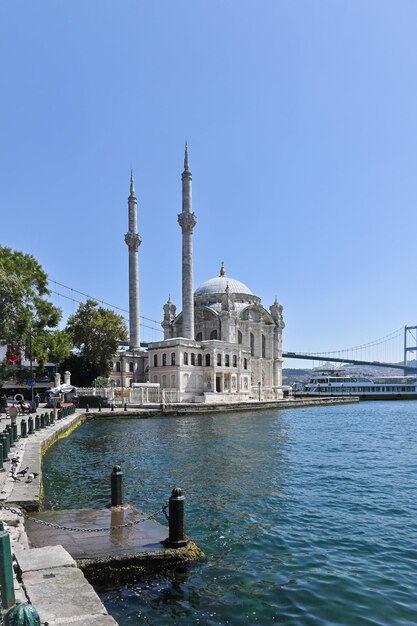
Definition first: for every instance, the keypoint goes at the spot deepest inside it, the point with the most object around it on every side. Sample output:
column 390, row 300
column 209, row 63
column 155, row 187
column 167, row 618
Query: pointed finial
column 186, row 162
column 276, row 300
column 169, row 299
column 132, row 184
column 222, row 272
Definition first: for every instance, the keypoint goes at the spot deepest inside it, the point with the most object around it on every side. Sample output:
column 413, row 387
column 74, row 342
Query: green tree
column 28, row 318
column 96, row 333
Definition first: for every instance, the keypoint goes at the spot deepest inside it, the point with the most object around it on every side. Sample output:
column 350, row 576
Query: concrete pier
column 118, row 553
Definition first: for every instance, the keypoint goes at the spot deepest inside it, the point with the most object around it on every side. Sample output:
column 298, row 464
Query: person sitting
column 24, row 407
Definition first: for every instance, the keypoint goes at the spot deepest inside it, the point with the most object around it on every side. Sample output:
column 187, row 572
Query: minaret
column 187, row 220
column 133, row 241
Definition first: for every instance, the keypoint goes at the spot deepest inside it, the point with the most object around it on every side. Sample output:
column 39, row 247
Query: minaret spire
column 186, row 162
column 187, row 220
column 133, row 241
column 132, row 184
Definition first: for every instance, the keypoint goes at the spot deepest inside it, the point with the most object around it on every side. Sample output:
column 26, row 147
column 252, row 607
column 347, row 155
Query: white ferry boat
column 375, row 388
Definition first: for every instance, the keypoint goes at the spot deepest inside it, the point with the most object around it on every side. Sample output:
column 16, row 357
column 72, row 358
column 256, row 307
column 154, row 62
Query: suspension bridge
column 391, row 351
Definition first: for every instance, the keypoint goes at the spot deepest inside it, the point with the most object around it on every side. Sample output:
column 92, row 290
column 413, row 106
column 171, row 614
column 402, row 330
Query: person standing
column 37, row 399
column 3, row 403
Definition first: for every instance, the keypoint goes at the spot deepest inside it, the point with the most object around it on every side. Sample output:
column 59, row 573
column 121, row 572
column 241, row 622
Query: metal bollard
column 125, row 406
column 6, row 569
column 37, row 422
column 30, row 425
column 14, row 428
column 46, row 417
column 177, row 536
column 112, row 407
column 4, row 439
column 23, row 615
column 116, row 481
column 55, row 414
column 42, row 420
column 10, row 433
column 87, row 408
column 23, row 429
column 51, row 417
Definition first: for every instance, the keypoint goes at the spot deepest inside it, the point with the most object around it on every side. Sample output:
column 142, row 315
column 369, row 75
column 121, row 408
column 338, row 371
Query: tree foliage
column 96, row 333
column 28, row 318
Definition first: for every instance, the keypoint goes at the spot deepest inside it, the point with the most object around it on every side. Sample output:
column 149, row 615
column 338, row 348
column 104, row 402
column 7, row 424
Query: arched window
column 118, row 366
column 155, row 360
column 199, row 337
column 130, row 366
column 245, row 364
column 164, row 359
column 185, row 358
column 172, row 380
column 163, row 381
column 239, row 337
column 263, row 346
column 111, row 365
column 227, row 360
column 207, row 360
column 252, row 344
column 199, row 359
column 219, row 359
column 234, row 360
column 213, row 334
column 192, row 358
column 172, row 358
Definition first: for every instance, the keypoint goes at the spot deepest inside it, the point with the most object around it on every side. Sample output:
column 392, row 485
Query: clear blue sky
column 301, row 117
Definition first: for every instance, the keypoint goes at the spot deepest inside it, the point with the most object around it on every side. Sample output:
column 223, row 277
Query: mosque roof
column 219, row 284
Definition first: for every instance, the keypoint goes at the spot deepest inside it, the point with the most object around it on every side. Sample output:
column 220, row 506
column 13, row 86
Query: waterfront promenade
column 48, row 577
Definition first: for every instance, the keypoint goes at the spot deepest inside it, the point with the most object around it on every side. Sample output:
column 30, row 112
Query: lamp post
column 31, row 364
column 259, row 391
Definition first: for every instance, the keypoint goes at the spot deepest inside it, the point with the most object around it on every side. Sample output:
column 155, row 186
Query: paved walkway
column 47, row 577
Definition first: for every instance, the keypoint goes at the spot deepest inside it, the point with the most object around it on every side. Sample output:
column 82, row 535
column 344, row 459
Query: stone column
column 187, row 220
column 133, row 241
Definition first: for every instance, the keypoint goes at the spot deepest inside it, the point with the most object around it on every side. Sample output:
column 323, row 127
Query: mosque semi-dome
column 218, row 284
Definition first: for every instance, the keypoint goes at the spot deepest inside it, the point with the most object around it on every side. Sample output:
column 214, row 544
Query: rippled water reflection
column 307, row 516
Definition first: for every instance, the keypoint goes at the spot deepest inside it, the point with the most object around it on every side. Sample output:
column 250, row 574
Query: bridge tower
column 410, row 343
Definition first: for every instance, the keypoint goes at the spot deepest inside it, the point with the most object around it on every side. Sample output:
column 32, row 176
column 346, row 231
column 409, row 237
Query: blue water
column 307, row 516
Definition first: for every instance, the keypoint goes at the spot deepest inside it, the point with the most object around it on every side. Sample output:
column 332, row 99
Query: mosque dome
column 219, row 284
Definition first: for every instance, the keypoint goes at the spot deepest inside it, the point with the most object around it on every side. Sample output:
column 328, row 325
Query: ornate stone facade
column 223, row 346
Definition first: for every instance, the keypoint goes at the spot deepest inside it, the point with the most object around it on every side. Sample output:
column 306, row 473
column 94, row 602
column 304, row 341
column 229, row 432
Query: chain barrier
column 86, row 530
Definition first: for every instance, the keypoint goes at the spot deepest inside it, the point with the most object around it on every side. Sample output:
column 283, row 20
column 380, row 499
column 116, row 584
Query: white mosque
column 224, row 346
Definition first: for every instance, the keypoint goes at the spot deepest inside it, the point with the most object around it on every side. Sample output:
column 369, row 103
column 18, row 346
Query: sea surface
column 308, row 517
